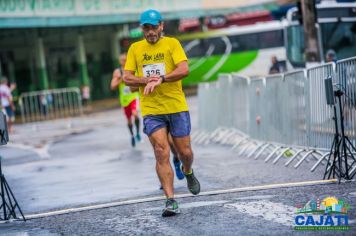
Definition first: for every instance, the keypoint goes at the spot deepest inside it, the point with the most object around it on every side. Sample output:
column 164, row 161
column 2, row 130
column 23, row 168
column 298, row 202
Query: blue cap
column 151, row 17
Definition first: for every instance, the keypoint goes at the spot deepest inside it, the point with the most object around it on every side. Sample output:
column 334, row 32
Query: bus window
column 256, row 41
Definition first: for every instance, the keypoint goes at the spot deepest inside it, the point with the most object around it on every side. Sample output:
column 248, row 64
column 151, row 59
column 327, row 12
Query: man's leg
column 164, row 170
column 185, row 154
column 134, row 112
column 173, row 149
column 155, row 128
column 137, row 124
column 128, row 115
column 176, row 160
column 184, row 151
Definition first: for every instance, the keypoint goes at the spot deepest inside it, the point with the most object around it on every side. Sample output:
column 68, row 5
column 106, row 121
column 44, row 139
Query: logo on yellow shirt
column 155, row 57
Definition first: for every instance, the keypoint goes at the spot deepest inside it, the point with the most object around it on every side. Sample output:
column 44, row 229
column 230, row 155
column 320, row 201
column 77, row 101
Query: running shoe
column 192, row 183
column 138, row 138
column 133, row 142
column 171, row 208
column 177, row 168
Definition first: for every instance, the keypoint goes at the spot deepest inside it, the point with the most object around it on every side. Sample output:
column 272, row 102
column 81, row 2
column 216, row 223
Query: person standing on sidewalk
column 7, row 103
column 157, row 65
column 128, row 100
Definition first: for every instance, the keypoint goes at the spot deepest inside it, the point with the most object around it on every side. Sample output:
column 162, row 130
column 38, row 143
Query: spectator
column 7, row 103
column 85, row 94
column 276, row 66
column 43, row 104
column 330, row 56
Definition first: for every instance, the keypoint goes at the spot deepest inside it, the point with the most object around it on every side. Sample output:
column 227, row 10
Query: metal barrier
column 240, row 103
column 321, row 115
column 346, row 81
column 273, row 109
column 280, row 115
column 257, row 125
column 295, row 109
column 50, row 104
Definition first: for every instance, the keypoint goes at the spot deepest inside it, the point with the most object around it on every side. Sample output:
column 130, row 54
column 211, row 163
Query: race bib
column 126, row 90
column 154, row 69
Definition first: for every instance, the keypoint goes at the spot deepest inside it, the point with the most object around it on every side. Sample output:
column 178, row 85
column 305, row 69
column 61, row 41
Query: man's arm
column 133, row 81
column 181, row 71
column 116, row 79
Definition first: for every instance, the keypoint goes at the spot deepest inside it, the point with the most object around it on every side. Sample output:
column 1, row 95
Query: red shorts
column 130, row 108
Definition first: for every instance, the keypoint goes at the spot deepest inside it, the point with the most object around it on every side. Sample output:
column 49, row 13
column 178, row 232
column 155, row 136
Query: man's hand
column 153, row 78
column 152, row 82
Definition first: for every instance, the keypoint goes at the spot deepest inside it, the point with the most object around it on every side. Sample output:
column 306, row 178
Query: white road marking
column 159, row 198
column 271, row 211
column 256, row 197
column 191, row 205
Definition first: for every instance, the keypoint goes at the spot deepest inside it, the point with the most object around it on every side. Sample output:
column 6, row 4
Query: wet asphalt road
column 88, row 160
column 266, row 212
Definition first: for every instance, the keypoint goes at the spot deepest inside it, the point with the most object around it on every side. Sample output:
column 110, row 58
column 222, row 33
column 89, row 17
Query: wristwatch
column 163, row 78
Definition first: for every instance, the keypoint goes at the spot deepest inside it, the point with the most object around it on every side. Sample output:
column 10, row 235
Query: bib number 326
column 154, row 69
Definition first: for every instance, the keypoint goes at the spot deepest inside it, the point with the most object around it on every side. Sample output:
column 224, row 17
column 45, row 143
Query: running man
column 160, row 64
column 128, row 100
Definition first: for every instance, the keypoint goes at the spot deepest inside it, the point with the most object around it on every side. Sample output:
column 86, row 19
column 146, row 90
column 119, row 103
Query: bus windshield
column 341, row 37
column 337, row 31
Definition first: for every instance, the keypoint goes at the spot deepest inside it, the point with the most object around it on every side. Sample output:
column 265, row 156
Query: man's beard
column 153, row 39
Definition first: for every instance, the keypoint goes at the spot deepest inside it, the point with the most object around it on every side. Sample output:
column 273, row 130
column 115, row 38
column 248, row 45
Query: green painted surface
column 235, row 62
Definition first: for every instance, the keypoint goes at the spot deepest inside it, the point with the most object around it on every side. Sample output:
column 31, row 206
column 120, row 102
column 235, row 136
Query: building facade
column 48, row 44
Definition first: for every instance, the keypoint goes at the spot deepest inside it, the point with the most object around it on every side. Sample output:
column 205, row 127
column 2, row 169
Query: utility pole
column 312, row 53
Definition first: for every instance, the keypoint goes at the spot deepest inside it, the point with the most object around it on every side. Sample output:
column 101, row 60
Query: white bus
column 243, row 49
column 247, row 50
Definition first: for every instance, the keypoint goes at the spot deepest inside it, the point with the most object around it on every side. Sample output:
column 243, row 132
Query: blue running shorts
column 178, row 124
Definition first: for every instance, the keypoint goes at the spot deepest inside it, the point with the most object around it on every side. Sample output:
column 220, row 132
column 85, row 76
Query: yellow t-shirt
column 160, row 58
